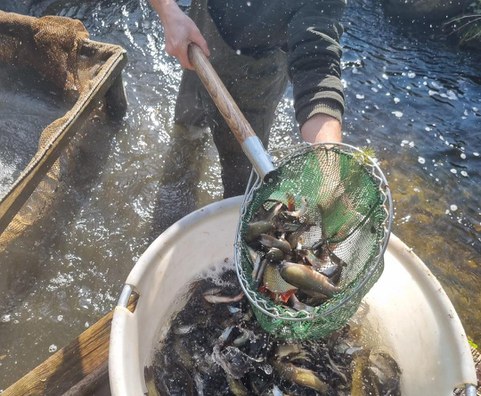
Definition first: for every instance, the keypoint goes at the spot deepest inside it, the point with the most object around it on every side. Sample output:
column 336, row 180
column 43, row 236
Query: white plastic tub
column 409, row 312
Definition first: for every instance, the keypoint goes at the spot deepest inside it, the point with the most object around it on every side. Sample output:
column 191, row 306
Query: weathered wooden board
column 77, row 369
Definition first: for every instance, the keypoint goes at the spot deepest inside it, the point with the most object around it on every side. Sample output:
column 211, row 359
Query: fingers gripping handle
column 236, row 121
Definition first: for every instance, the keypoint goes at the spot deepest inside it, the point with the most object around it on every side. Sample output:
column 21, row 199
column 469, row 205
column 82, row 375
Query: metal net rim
column 255, row 182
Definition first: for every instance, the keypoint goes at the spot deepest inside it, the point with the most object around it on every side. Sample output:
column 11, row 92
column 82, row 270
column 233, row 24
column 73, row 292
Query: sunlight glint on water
column 414, row 101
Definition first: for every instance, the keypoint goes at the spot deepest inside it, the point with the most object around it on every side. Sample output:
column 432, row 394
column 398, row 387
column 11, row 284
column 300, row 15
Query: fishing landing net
column 347, row 204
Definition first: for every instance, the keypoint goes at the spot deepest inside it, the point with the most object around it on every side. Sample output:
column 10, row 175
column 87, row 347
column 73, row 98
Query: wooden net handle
column 236, row 121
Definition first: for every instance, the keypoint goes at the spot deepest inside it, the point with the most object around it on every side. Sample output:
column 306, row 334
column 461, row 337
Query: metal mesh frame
column 288, row 323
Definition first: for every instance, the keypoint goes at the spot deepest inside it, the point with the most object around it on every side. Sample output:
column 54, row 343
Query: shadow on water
column 415, row 100
column 182, row 170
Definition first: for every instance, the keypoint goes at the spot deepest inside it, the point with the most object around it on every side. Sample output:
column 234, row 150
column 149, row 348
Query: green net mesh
column 349, row 207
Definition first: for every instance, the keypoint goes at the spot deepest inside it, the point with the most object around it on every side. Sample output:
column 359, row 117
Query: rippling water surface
column 415, row 100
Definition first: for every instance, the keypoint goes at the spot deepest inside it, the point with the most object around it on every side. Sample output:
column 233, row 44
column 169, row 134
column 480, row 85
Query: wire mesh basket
column 348, row 205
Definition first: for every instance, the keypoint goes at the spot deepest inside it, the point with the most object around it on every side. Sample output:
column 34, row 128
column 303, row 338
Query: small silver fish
column 306, row 278
column 236, row 386
column 269, row 241
column 255, row 229
column 335, row 272
column 301, row 376
column 258, row 275
column 273, row 280
column 294, row 303
column 315, row 261
column 300, row 214
column 269, row 210
column 215, row 298
column 150, row 382
column 275, row 255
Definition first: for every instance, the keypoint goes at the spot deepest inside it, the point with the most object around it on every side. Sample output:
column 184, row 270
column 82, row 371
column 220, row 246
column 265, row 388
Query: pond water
column 415, row 99
column 17, row 92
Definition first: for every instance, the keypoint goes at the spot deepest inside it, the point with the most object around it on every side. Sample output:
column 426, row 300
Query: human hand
column 179, row 31
column 321, row 128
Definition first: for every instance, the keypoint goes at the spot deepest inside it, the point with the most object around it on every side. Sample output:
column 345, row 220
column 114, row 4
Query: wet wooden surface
column 80, row 368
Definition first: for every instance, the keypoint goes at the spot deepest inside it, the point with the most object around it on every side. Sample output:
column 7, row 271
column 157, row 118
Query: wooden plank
column 76, row 368
column 96, row 383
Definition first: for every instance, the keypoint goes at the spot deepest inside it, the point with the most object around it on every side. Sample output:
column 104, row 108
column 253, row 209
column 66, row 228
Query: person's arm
column 314, row 56
column 179, row 31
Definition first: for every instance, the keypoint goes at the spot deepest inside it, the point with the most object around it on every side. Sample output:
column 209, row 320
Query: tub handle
column 125, row 296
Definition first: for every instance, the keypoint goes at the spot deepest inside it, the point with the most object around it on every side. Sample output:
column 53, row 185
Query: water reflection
column 17, row 92
column 417, row 102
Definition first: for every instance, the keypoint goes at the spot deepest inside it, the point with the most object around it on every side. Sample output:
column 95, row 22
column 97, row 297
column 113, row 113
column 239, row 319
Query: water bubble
column 453, row 171
column 453, row 208
column 407, row 143
column 52, row 348
column 449, row 95
column 411, row 74
column 60, row 318
column 5, row 318
column 463, row 156
column 398, row 114
column 396, row 100
column 421, row 160
column 464, row 173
